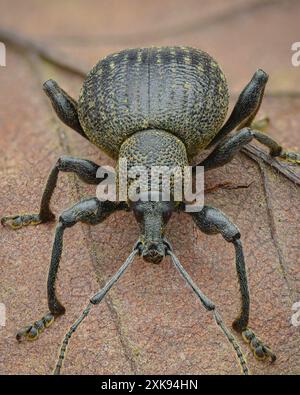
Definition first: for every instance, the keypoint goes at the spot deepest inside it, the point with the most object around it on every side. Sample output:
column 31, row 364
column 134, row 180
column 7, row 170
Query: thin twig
column 196, row 25
column 257, row 154
column 22, row 43
column 271, row 219
column 226, row 185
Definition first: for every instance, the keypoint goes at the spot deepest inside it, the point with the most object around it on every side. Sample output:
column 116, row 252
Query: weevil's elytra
column 153, row 106
column 154, row 88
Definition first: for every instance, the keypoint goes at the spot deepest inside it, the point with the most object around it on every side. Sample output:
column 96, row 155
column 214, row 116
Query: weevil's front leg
column 229, row 147
column 212, row 221
column 91, row 211
column 85, row 169
column 246, row 107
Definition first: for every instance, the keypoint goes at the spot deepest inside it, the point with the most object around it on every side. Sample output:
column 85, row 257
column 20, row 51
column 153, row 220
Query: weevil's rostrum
column 154, row 107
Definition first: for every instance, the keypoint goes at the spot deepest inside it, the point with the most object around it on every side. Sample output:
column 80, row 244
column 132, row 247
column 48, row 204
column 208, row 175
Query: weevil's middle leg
column 230, row 146
column 91, row 211
column 85, row 169
column 212, row 221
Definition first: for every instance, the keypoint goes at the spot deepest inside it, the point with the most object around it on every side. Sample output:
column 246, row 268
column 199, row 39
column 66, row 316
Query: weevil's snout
column 152, row 216
column 153, row 252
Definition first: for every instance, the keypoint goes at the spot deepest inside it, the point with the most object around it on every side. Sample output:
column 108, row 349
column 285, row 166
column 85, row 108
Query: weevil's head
column 152, row 217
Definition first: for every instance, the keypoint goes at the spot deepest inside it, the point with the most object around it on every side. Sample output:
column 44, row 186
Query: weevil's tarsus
column 260, row 351
column 96, row 299
column 209, row 305
column 31, row 332
column 18, row 221
column 289, row 156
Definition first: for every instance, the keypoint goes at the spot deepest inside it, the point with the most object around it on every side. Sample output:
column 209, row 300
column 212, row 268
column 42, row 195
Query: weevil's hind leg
column 91, row 211
column 212, row 221
column 230, row 146
column 64, row 106
column 85, row 169
column 242, row 117
column 246, row 106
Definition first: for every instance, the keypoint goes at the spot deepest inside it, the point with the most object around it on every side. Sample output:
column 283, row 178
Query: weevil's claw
column 48, row 319
column 18, row 221
column 32, row 332
column 292, row 157
column 23, row 332
column 260, row 351
column 289, row 156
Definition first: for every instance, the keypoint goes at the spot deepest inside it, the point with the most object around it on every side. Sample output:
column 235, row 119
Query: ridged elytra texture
column 176, row 89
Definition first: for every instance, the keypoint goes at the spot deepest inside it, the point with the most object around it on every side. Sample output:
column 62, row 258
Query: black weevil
column 171, row 101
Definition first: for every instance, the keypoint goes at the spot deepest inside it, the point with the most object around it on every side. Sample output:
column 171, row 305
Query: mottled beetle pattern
column 153, row 106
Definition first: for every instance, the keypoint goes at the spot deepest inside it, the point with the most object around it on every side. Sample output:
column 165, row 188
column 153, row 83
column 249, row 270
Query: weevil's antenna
column 96, row 299
column 209, row 305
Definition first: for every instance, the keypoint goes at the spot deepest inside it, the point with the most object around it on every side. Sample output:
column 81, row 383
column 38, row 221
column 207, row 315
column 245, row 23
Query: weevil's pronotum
column 154, row 107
